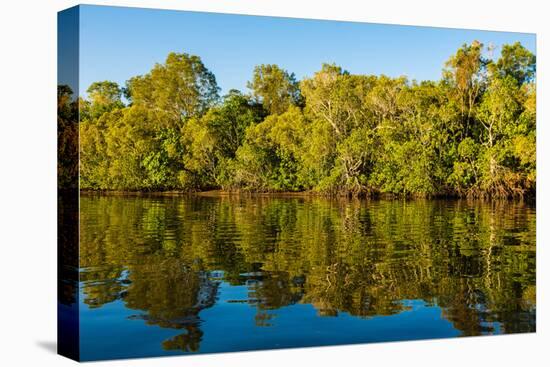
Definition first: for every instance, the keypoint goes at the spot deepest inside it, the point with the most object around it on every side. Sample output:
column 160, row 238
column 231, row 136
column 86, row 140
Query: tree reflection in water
column 166, row 257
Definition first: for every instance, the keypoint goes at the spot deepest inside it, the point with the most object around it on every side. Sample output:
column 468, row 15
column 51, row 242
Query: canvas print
column 233, row 183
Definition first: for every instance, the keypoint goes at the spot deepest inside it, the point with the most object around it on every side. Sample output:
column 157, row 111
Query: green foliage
column 518, row 62
column 102, row 97
column 275, row 88
column 270, row 156
column 212, row 140
column 182, row 87
column 67, row 139
column 126, row 149
column 473, row 133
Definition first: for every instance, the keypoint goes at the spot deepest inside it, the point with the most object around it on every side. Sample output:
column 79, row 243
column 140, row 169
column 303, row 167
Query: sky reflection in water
column 172, row 275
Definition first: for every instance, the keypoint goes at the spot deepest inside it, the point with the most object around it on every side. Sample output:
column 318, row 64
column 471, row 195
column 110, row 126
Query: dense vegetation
column 472, row 133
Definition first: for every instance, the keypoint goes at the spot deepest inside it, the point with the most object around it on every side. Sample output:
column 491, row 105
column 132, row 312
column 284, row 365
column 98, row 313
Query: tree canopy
column 471, row 133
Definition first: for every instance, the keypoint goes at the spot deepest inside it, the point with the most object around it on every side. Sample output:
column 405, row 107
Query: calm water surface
column 166, row 276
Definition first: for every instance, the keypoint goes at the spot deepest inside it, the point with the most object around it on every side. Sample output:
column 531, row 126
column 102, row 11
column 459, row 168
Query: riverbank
column 217, row 193
column 208, row 193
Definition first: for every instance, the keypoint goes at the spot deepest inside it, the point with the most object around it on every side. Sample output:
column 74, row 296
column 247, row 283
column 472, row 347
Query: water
column 179, row 275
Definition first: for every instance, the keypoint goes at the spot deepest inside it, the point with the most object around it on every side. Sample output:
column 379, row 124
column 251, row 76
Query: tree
column 472, row 133
column 213, row 139
column 182, row 87
column 498, row 109
column 229, row 121
column 67, row 139
column 275, row 88
column 465, row 72
column 128, row 149
column 105, row 92
column 271, row 153
column 518, row 62
column 103, row 97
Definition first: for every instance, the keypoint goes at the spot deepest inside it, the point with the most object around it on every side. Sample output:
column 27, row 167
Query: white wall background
column 28, row 182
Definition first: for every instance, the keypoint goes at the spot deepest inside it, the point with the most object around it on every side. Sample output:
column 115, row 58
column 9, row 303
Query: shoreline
column 207, row 193
column 218, row 193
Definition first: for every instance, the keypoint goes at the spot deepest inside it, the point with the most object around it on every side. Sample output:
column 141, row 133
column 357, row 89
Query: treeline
column 472, row 133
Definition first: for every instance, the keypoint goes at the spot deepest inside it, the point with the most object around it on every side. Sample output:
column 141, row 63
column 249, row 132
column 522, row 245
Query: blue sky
column 117, row 43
